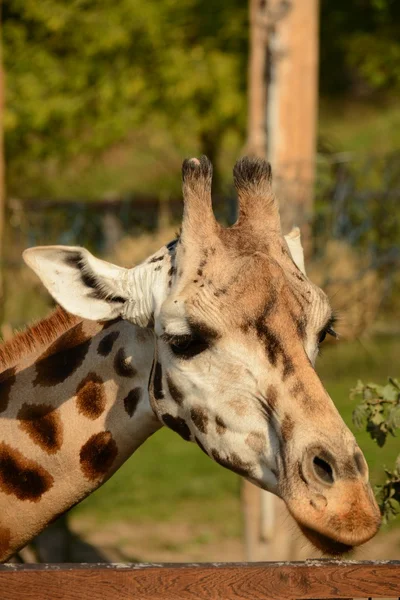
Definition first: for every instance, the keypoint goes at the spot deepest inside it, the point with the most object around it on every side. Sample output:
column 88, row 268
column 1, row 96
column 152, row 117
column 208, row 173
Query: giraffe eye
column 186, row 346
column 327, row 330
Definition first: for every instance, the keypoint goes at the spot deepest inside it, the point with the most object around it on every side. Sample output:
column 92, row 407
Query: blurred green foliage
column 360, row 46
column 379, row 412
column 82, row 75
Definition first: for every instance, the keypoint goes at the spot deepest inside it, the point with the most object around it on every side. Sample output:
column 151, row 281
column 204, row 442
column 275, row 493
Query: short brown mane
column 42, row 333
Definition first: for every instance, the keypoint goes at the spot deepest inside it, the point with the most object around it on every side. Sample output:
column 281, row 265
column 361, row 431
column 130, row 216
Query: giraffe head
column 237, row 327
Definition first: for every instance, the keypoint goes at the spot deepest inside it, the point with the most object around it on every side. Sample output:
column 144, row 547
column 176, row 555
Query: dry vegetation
column 354, row 289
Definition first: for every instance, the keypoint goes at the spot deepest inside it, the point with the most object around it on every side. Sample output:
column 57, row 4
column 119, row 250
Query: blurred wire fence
column 355, row 233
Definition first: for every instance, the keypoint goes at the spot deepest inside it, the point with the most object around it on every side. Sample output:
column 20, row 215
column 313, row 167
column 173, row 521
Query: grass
column 360, row 127
column 168, row 478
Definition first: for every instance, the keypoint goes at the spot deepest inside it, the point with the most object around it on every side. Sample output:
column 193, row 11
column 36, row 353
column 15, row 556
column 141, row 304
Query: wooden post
column 257, row 82
column 292, row 111
column 282, row 117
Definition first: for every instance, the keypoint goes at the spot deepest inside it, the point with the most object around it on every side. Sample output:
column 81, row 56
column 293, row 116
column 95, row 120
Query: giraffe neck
column 71, row 412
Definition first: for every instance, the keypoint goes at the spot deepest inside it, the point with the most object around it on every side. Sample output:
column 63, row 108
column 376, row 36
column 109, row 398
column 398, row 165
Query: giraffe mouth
column 324, row 543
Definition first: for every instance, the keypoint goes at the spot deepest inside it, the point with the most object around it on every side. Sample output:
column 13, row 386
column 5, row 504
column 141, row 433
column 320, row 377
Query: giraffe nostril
column 360, row 463
column 319, row 467
column 323, row 470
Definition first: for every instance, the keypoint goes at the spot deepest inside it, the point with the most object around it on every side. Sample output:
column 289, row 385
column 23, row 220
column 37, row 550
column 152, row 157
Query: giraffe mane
column 41, row 333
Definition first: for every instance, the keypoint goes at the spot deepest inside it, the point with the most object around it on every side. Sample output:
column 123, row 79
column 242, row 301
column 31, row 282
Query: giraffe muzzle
column 332, row 501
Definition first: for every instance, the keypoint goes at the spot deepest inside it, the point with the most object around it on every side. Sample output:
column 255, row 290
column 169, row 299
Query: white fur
column 293, row 240
column 65, row 284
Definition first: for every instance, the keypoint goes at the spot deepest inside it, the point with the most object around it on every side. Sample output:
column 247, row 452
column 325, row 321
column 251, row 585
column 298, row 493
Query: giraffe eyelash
column 171, row 338
column 185, row 346
column 328, row 329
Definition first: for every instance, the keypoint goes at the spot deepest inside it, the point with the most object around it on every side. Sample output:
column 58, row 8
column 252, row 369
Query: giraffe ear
column 89, row 287
column 293, row 240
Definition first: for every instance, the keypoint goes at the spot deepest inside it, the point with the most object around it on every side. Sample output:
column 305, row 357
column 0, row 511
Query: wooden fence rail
column 217, row 581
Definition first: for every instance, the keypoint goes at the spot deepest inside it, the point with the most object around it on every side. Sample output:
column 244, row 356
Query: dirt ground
column 184, row 542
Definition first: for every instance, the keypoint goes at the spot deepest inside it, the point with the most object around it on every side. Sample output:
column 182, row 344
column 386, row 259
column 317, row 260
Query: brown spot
column 43, row 425
column 22, row 477
column 239, row 406
column 221, row 427
column 107, row 343
column 221, row 292
column 157, row 382
column 5, row 538
column 52, row 369
column 301, row 325
column 156, row 259
column 256, row 441
column 288, row 366
column 268, row 402
column 272, row 396
column 122, row 365
column 178, row 425
column 91, row 397
column 67, row 341
column 233, row 463
column 174, row 391
column 132, row 400
column 7, row 380
column 200, row 419
column 298, row 389
column 97, row 455
column 272, row 342
column 287, row 428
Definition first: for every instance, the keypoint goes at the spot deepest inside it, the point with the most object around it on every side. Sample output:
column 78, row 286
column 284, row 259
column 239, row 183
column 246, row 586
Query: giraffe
column 215, row 336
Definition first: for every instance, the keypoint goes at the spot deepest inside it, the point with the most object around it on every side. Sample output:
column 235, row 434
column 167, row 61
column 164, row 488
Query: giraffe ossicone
column 214, row 336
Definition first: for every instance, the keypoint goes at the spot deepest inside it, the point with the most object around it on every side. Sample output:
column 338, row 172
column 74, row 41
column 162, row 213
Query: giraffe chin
column 324, row 543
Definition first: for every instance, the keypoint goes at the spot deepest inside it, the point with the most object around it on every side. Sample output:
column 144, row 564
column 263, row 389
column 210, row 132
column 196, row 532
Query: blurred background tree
column 360, row 47
column 83, row 74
